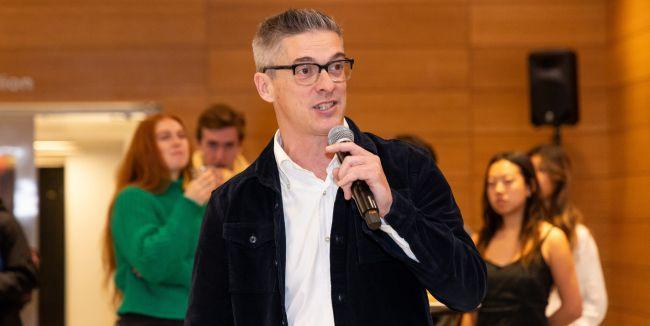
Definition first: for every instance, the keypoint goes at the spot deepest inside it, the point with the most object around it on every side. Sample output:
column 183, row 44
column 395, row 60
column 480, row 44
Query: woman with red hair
column 154, row 223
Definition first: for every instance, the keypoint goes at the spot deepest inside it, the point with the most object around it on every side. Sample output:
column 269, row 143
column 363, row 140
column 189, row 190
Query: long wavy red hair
column 143, row 167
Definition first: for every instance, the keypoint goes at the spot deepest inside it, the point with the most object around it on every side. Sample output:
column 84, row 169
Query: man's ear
column 264, row 86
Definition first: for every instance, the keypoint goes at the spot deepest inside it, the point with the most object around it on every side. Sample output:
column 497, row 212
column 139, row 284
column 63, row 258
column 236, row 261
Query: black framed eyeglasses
column 308, row 73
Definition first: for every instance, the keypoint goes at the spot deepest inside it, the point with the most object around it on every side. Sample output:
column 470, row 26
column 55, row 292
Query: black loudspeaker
column 553, row 88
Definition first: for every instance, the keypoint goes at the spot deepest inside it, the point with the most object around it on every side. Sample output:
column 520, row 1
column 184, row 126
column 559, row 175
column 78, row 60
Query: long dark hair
column 533, row 211
column 561, row 211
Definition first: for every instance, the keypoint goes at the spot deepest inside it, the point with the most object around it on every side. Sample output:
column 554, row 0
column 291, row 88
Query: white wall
column 89, row 185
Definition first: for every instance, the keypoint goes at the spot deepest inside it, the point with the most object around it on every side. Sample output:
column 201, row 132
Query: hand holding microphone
column 361, row 176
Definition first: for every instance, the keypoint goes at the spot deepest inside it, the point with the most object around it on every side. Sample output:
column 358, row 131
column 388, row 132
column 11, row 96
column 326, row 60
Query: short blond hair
column 274, row 29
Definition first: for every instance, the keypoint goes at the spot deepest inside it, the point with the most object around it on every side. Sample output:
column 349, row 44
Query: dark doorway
column 51, row 308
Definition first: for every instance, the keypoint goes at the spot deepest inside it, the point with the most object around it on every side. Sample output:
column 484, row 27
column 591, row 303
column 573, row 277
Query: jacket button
column 252, row 239
column 340, row 297
column 338, row 239
column 276, row 205
column 275, row 262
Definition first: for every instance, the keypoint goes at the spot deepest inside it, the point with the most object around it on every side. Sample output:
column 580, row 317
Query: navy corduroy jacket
column 239, row 269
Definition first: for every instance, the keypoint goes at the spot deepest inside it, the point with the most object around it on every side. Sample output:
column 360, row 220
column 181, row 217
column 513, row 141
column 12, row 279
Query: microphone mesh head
column 339, row 133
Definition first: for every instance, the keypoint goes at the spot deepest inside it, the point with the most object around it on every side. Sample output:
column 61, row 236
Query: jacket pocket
column 251, row 257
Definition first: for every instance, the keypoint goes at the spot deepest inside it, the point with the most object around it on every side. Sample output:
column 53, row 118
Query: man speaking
column 283, row 244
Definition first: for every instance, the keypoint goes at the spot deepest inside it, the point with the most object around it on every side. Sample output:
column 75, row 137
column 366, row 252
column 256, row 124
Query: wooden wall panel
column 487, row 145
column 632, row 62
column 630, row 270
column 630, row 105
column 451, row 71
column 107, row 25
column 631, row 198
column 68, row 75
column 505, row 111
column 538, row 24
column 436, row 112
column 498, row 67
column 624, row 317
column 628, row 17
column 632, row 154
column 628, row 288
column 621, row 243
column 232, row 70
column 391, row 24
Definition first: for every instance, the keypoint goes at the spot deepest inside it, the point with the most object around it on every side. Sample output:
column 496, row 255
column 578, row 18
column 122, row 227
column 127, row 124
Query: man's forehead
column 225, row 133
column 311, row 46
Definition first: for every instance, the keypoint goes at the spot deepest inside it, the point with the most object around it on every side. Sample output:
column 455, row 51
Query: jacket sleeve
column 209, row 302
column 449, row 266
column 155, row 247
column 17, row 271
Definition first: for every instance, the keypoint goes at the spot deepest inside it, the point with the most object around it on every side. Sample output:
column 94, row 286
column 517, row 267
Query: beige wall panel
column 508, row 68
column 232, row 70
column 106, row 74
column 107, row 25
column 390, row 25
column 538, row 24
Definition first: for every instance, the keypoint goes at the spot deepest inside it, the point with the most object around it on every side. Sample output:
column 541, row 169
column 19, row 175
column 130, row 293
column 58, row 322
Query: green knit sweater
column 155, row 236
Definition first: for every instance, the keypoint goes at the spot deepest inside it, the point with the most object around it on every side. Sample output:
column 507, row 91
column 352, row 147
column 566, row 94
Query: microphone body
column 361, row 193
column 364, row 199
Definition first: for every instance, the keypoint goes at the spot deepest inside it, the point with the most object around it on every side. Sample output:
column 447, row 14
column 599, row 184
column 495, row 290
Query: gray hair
column 274, row 29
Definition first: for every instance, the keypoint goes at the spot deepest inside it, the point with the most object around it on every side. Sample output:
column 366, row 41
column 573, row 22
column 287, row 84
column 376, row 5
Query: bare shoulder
column 555, row 243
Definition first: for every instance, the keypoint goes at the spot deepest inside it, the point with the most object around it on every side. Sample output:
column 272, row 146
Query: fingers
column 364, row 172
column 350, row 147
column 352, row 161
column 347, row 188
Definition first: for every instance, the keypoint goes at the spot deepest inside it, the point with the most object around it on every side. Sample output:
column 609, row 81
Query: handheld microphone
column 361, row 193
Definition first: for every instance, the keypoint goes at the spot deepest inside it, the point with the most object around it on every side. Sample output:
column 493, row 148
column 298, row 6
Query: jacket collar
column 266, row 168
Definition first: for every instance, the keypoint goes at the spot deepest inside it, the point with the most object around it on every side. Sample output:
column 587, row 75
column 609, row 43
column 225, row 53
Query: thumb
column 335, row 174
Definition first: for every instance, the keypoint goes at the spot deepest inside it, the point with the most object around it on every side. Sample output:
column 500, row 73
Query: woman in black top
column 525, row 256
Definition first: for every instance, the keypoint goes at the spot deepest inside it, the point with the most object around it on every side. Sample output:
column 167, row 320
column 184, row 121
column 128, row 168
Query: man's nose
column 325, row 81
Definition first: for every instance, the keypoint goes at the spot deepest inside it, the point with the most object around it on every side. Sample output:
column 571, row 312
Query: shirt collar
column 284, row 162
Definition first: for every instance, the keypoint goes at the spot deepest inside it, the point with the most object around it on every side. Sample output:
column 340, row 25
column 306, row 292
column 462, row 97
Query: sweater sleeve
column 155, row 246
column 17, row 271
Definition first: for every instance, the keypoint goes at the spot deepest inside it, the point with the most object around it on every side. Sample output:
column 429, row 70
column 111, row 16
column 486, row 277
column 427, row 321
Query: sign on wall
column 16, row 84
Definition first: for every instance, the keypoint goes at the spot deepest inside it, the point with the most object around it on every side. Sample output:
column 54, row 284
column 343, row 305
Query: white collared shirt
column 308, row 204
